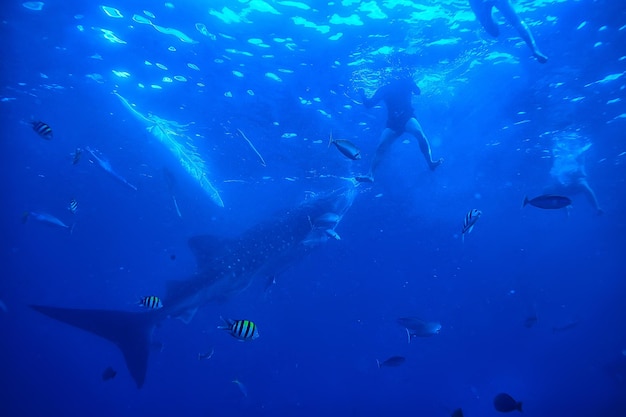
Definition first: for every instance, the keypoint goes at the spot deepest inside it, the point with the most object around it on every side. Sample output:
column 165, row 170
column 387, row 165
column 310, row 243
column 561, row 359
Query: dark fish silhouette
column 108, row 373
column 77, row 154
column 548, row 201
column 530, row 321
column 347, row 148
column 565, row 327
column 392, row 361
column 504, row 403
column 457, row 413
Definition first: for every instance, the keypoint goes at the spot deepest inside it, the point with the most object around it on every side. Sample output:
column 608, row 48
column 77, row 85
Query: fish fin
column 72, row 228
column 469, row 230
column 228, row 324
column 131, row 332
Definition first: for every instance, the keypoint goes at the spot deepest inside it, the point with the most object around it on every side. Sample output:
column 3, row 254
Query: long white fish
column 172, row 136
column 106, row 165
column 46, row 218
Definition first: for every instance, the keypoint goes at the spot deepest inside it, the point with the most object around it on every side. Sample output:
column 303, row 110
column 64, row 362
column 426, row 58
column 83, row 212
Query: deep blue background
column 333, row 313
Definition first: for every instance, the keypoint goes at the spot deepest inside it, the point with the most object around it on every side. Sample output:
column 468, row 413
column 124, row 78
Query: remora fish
column 225, row 268
column 46, row 218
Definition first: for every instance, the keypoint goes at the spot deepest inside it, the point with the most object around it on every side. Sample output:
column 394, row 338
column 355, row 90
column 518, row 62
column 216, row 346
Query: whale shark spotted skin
column 225, row 268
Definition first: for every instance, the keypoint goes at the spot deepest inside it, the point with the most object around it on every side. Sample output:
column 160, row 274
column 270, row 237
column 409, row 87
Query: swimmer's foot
column 540, row 57
column 434, row 164
column 364, row 178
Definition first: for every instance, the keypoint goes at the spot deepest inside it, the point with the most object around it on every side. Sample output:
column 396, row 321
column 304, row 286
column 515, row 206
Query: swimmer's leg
column 511, row 16
column 591, row 196
column 482, row 10
column 414, row 128
column 386, row 140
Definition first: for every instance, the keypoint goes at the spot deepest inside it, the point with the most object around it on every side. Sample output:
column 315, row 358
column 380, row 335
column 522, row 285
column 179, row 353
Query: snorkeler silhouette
column 483, row 10
column 400, row 119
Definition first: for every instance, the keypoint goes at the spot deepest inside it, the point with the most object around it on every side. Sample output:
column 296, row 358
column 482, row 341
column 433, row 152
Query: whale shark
column 225, row 267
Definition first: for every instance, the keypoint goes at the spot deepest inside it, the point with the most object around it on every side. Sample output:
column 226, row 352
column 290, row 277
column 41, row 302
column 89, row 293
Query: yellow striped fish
column 42, row 129
column 240, row 329
column 151, row 302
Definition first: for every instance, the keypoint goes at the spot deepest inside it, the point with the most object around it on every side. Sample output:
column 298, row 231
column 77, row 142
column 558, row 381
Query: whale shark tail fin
column 131, row 332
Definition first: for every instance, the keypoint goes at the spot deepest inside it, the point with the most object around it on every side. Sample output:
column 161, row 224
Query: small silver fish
column 391, row 362
column 77, row 154
column 333, row 234
column 419, row 328
column 347, row 148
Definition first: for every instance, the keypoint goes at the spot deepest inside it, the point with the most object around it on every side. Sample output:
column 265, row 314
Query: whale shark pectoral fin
column 131, row 332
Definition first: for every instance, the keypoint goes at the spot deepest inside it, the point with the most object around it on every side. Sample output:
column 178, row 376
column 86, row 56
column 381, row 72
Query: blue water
column 488, row 108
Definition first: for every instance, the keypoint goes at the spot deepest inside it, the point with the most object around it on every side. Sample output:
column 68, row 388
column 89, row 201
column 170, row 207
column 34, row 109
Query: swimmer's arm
column 378, row 96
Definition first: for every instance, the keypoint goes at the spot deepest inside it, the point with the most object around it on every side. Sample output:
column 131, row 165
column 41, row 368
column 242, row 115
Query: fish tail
column 25, row 216
column 519, row 406
column 408, row 335
column 227, row 324
column 131, row 332
column 71, row 228
column 330, row 139
column 525, row 201
column 378, row 363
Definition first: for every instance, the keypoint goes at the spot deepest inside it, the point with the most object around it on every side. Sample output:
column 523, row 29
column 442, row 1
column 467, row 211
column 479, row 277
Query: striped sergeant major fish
column 471, row 218
column 151, row 302
column 43, row 129
column 240, row 329
column 73, row 206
